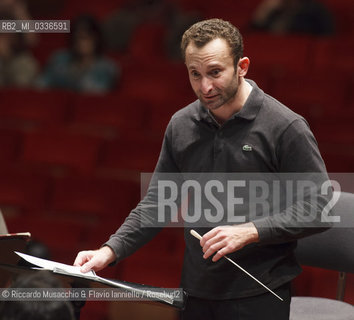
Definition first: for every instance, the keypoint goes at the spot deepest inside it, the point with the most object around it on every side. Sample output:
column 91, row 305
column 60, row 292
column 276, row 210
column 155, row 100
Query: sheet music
column 66, row 269
column 51, row 265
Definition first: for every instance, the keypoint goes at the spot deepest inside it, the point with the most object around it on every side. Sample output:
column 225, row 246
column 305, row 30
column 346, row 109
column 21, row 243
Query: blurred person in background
column 138, row 12
column 18, row 67
column 126, row 19
column 18, row 10
column 83, row 66
column 293, row 16
column 36, row 310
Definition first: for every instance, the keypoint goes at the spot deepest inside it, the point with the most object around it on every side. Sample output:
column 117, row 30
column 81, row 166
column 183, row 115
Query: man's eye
column 195, row 74
column 215, row 72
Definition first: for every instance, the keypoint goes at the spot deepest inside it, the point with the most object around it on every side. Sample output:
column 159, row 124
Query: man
column 21, row 309
column 232, row 127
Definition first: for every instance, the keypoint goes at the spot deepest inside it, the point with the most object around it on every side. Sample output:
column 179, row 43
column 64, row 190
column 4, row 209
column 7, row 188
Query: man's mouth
column 210, row 97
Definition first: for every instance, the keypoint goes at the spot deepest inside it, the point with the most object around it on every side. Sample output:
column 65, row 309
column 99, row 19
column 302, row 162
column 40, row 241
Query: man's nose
column 206, row 85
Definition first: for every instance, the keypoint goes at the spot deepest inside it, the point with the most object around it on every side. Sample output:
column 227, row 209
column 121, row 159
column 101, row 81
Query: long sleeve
column 299, row 161
column 142, row 223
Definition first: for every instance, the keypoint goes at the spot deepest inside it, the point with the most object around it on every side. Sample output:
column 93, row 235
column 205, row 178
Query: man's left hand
column 226, row 239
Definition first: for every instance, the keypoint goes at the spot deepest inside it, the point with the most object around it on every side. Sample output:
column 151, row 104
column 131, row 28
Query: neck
column 226, row 111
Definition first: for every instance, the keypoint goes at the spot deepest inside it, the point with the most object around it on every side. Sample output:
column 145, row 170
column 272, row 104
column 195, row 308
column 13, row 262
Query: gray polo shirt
column 264, row 136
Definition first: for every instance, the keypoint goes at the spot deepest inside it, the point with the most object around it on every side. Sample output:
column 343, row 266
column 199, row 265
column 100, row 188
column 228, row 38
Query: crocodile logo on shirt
column 247, row 147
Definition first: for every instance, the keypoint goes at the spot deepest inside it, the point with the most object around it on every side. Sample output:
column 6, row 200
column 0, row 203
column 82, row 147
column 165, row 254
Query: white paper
column 91, row 275
column 51, row 265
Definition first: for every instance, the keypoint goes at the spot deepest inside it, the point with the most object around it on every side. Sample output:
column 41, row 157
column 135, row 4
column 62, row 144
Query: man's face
column 212, row 73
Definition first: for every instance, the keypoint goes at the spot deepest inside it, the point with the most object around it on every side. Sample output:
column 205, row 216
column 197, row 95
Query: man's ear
column 243, row 65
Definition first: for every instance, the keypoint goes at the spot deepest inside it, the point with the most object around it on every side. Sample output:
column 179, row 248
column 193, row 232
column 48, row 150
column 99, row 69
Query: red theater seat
column 98, row 198
column 343, row 13
column 147, row 81
column 238, row 13
column 22, row 189
column 49, row 43
column 137, row 153
column 10, row 143
column 99, row 10
column 278, row 55
column 314, row 90
column 334, row 53
column 147, row 44
column 34, row 106
column 117, row 110
column 61, row 147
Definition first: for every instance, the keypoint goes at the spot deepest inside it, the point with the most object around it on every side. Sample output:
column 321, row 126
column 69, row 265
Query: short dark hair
column 205, row 31
column 36, row 310
column 89, row 25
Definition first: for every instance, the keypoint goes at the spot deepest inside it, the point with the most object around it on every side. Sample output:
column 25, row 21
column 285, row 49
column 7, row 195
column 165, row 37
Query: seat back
column 332, row 249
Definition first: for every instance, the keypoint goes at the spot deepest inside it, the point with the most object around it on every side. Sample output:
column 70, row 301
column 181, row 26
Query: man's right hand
column 94, row 259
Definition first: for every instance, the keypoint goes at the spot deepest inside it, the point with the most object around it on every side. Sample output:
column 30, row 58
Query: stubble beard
column 225, row 97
